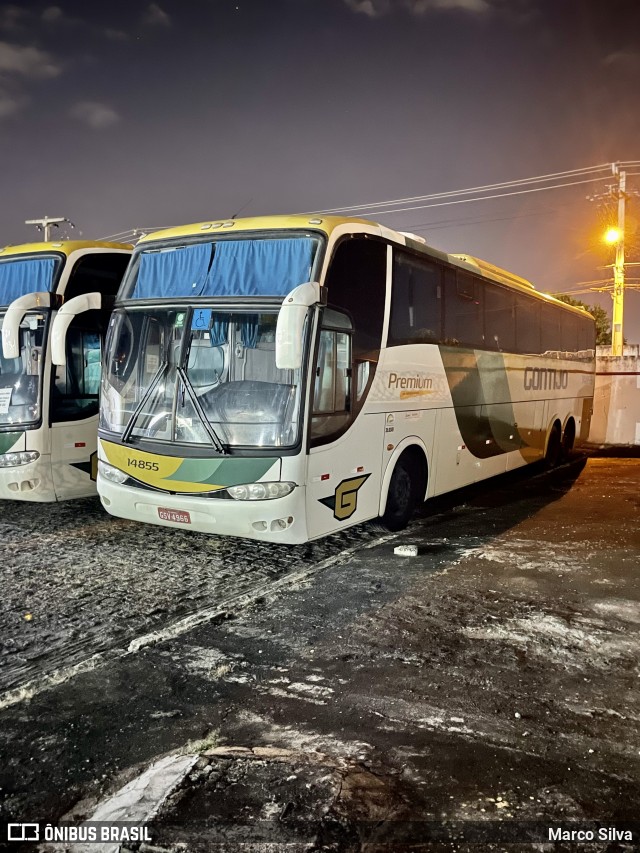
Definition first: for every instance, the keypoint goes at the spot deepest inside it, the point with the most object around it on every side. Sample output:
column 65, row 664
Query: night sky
column 135, row 114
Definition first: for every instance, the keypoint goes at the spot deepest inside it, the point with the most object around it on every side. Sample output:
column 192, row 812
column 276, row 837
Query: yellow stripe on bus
column 151, row 468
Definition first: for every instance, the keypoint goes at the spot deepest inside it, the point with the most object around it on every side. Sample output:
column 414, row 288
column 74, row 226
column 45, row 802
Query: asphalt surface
column 334, row 688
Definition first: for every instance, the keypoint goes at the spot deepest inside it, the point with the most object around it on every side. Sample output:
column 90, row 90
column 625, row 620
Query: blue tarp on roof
column 19, row 277
column 226, row 268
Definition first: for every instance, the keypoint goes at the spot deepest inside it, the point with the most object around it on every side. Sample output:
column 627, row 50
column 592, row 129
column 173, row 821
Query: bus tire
column 554, row 446
column 568, row 439
column 403, row 494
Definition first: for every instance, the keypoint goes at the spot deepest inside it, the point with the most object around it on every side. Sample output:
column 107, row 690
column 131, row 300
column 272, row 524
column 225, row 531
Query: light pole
column 46, row 223
column 616, row 236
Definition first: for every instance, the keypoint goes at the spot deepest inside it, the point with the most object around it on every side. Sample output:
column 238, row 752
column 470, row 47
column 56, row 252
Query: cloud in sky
column 156, row 16
column 10, row 103
column 95, row 114
column 114, row 34
column 11, row 17
column 30, row 62
column 623, row 59
column 20, row 65
column 52, row 14
column 377, row 8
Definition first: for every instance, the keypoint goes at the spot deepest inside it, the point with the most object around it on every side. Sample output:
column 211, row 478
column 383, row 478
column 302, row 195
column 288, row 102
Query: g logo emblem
column 344, row 500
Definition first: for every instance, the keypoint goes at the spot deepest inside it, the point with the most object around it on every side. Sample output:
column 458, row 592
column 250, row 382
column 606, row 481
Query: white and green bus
column 48, row 415
column 283, row 378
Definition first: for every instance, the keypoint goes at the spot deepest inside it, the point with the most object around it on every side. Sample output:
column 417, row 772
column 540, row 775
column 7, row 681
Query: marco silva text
column 602, row 833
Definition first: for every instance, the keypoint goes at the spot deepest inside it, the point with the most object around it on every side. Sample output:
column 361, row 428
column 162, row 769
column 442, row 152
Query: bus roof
column 328, row 224
column 66, row 247
column 255, row 223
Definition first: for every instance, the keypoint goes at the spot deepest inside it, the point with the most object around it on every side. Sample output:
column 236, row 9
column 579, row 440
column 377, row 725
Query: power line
column 133, row 232
column 375, row 208
column 482, row 198
column 484, row 188
column 554, row 176
column 452, row 223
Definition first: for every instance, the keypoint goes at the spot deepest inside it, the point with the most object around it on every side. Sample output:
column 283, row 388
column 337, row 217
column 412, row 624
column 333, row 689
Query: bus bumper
column 30, row 482
column 279, row 520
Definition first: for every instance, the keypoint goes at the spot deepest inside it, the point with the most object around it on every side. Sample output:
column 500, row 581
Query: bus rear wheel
column 568, row 439
column 402, row 496
column 554, row 446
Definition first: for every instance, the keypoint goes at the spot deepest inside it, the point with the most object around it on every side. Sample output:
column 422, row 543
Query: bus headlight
column 114, row 475
column 260, row 491
column 22, row 457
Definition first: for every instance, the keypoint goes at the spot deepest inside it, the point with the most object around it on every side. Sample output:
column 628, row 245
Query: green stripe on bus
column 8, row 440
column 222, row 472
column 488, row 428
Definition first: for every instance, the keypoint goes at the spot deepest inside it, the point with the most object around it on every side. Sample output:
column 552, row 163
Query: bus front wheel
column 402, row 496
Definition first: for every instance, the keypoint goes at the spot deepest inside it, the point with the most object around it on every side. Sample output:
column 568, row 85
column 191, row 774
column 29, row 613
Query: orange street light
column 612, row 235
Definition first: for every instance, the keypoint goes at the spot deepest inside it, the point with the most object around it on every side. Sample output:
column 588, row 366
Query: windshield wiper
column 126, row 435
column 215, row 439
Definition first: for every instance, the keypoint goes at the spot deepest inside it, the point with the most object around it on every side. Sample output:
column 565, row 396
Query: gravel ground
column 492, row 680
column 77, row 582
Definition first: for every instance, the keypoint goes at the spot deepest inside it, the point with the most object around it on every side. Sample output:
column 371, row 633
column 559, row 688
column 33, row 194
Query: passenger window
column 76, row 385
column 528, row 325
column 586, row 334
column 570, row 332
column 416, row 301
column 464, row 325
column 550, row 332
column 499, row 325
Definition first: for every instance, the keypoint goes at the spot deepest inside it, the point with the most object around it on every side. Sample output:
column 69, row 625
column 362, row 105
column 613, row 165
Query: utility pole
column 46, row 223
column 617, row 336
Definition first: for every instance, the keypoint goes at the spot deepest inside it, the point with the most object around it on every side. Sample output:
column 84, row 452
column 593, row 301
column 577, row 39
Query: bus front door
column 345, row 458
column 74, row 415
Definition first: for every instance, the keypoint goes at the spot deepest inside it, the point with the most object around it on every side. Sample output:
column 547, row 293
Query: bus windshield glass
column 21, row 377
column 199, row 375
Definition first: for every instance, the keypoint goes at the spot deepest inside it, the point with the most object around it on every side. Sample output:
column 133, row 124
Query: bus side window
column 570, row 332
column 551, row 336
column 499, row 319
column 528, row 325
column 356, row 283
column 76, row 385
column 586, row 334
column 331, row 412
column 464, row 320
column 416, row 301
column 98, row 271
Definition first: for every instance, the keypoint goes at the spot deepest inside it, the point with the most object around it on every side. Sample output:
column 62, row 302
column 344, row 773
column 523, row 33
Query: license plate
column 174, row 515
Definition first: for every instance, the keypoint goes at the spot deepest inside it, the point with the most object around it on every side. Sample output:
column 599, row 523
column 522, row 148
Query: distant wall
column 616, row 403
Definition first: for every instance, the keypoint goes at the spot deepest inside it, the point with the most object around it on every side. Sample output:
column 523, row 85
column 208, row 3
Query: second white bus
column 48, row 415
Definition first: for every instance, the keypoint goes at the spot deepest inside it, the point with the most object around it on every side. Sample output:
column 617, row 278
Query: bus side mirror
column 14, row 316
column 64, row 318
column 291, row 320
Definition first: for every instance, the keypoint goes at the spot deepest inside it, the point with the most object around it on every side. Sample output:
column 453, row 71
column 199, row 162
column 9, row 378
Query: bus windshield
column 20, row 378
column 200, row 375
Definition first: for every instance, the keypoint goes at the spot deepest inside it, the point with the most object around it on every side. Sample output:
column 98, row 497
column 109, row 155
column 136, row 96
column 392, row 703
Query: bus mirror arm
column 291, row 320
column 14, row 316
column 64, row 318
